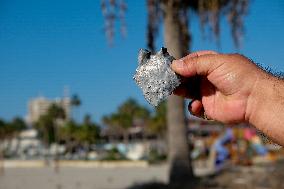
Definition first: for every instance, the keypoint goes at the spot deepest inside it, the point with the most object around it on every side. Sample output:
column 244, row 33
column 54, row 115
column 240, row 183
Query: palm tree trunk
column 179, row 158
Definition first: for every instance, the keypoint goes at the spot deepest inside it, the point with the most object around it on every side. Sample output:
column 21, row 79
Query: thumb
column 198, row 63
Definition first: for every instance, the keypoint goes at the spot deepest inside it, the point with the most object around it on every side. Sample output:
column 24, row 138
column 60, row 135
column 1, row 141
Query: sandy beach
column 262, row 176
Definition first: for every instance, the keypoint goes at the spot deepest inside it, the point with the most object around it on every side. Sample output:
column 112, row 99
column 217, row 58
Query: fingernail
column 177, row 64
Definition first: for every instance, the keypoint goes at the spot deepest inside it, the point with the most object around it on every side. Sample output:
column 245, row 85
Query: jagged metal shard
column 155, row 76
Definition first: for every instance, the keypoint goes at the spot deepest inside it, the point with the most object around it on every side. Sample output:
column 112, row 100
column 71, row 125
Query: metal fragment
column 155, row 76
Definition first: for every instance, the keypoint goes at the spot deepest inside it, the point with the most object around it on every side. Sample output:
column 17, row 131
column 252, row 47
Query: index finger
column 195, row 63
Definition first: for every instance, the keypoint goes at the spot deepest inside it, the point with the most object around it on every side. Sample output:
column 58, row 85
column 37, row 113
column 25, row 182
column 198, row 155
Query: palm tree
column 88, row 132
column 9, row 130
column 74, row 134
column 56, row 114
column 76, row 102
column 174, row 14
column 125, row 116
column 48, row 123
column 18, row 124
column 67, row 134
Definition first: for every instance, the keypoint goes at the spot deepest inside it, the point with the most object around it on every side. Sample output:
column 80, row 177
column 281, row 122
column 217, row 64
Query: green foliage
column 75, row 100
column 47, row 123
column 56, row 112
column 2, row 128
column 45, row 127
column 126, row 114
column 9, row 129
column 155, row 157
column 113, row 155
column 67, row 131
column 18, row 124
column 75, row 103
column 85, row 133
column 130, row 112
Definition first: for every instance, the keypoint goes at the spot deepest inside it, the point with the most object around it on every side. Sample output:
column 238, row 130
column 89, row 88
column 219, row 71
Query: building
column 25, row 145
column 39, row 106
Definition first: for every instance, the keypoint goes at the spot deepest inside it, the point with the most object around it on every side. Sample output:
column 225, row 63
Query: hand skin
column 234, row 90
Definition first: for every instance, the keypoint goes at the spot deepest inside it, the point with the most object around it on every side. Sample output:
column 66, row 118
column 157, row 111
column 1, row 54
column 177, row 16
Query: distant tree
column 126, row 115
column 66, row 134
column 76, row 102
column 67, row 130
column 75, row 134
column 48, row 123
column 18, row 124
column 2, row 138
column 56, row 112
column 10, row 130
column 113, row 128
column 131, row 110
column 46, row 129
column 2, row 129
column 88, row 133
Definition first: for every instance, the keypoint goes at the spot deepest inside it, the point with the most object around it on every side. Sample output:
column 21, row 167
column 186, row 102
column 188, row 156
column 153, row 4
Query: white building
column 39, row 106
column 23, row 145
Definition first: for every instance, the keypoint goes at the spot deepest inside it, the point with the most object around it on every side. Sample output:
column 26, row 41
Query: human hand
column 227, row 84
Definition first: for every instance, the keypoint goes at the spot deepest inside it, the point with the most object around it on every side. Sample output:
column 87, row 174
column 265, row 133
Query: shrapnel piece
column 155, row 76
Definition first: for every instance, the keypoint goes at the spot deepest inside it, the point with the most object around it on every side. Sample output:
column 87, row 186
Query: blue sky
column 46, row 45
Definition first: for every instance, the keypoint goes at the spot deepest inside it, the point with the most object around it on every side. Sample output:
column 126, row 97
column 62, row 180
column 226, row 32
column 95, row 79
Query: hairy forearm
column 266, row 107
